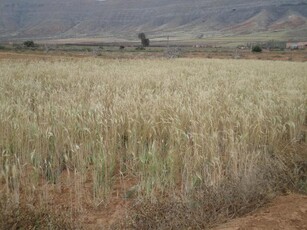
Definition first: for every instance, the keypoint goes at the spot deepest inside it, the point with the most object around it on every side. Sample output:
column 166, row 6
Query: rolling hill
column 21, row 19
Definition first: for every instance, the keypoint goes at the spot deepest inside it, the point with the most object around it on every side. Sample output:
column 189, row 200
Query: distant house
column 292, row 45
column 302, row 45
column 296, row 45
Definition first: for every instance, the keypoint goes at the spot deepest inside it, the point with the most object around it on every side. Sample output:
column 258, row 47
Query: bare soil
column 294, row 55
column 285, row 212
column 282, row 213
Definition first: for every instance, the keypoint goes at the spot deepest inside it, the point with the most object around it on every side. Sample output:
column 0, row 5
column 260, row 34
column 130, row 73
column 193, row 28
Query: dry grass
column 204, row 135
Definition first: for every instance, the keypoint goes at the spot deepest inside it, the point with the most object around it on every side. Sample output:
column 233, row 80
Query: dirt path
column 285, row 212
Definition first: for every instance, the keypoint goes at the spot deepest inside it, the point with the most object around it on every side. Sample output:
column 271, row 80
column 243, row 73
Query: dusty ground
column 80, row 209
column 295, row 55
column 34, row 55
column 285, row 212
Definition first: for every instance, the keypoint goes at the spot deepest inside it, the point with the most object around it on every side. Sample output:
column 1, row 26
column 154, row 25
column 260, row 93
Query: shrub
column 29, row 44
column 140, row 48
column 257, row 49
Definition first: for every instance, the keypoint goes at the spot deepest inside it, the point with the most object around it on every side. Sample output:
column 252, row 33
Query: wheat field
column 174, row 127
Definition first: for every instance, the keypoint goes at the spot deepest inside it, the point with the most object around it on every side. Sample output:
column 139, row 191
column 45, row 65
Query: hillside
column 125, row 18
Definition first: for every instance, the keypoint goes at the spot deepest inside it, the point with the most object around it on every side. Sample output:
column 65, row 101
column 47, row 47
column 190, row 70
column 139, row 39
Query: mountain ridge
column 125, row 18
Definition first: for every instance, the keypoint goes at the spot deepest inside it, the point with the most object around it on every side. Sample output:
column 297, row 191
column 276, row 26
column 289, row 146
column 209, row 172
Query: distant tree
column 145, row 41
column 257, row 49
column 29, row 44
column 141, row 36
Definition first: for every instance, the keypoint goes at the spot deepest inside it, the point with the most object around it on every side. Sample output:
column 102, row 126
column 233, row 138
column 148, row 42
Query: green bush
column 257, row 49
column 140, row 48
column 29, row 44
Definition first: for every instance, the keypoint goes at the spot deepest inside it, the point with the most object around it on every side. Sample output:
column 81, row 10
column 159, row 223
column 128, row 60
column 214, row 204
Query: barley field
column 215, row 131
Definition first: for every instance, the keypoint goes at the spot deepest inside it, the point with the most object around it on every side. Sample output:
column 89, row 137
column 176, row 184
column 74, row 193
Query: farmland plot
column 169, row 135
